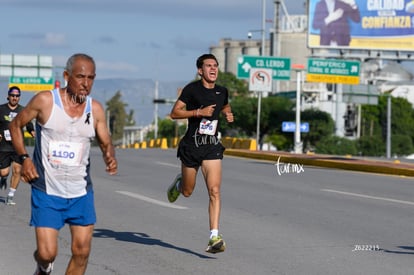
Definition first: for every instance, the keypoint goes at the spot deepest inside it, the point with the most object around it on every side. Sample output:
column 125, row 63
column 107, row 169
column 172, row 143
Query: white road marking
column 368, row 197
column 168, row 164
column 150, row 200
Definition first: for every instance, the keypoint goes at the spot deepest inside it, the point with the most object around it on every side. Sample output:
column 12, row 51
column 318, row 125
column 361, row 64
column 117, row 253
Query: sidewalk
column 392, row 167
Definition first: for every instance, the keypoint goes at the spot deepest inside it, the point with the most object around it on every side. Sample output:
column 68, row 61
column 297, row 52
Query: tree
column 321, row 125
column 281, row 142
column 401, row 145
column 370, row 121
column 374, row 127
column 334, row 145
column 274, row 110
column 402, row 116
column 237, row 90
column 168, row 128
column 130, row 121
column 371, row 146
column 235, row 86
column 244, row 116
column 117, row 115
column 402, row 132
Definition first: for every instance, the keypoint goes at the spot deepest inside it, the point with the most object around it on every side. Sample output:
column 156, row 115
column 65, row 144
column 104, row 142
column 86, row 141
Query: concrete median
column 347, row 162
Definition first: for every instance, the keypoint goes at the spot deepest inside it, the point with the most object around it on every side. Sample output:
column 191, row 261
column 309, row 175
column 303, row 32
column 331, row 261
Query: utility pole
column 298, row 145
column 276, row 39
column 389, row 126
column 259, row 94
column 263, row 30
column 156, row 111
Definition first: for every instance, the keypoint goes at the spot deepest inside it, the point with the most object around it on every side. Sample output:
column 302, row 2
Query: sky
column 133, row 39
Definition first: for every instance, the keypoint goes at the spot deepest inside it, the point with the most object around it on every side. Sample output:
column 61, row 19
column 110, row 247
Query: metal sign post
column 260, row 81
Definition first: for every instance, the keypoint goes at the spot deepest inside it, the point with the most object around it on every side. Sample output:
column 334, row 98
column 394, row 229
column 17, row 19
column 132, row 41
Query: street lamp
column 259, row 99
column 262, row 30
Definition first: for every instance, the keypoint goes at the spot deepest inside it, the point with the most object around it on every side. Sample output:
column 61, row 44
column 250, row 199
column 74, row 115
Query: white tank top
column 61, row 153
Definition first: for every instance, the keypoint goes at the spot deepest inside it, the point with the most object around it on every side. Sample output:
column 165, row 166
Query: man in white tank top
column 67, row 119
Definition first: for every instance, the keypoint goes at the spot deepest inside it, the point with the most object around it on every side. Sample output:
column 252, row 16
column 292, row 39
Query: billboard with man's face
column 361, row 24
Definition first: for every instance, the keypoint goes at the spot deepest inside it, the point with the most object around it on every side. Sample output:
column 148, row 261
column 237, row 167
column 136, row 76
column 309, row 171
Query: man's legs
column 4, row 173
column 5, row 162
column 47, row 246
column 81, row 248
column 16, row 174
column 211, row 170
column 184, row 183
column 212, row 175
column 188, row 180
column 14, row 182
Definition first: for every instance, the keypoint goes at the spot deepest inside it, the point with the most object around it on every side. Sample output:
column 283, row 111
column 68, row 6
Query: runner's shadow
column 142, row 238
column 409, row 250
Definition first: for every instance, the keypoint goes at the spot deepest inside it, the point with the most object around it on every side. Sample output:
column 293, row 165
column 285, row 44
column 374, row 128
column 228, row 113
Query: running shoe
column 216, row 245
column 173, row 192
column 10, row 201
column 39, row 271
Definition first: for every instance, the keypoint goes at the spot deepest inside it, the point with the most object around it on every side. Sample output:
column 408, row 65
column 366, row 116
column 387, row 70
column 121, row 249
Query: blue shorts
column 52, row 211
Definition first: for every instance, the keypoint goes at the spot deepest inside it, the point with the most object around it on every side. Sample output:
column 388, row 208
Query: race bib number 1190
column 65, row 153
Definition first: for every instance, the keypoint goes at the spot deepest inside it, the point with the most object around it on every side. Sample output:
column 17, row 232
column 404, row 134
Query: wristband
column 23, row 157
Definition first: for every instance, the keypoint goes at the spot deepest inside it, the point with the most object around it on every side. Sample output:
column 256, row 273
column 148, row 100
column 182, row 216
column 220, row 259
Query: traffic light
column 350, row 122
column 160, row 100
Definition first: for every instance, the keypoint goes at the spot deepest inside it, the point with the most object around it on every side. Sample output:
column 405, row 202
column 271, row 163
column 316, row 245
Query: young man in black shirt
column 8, row 156
column 202, row 102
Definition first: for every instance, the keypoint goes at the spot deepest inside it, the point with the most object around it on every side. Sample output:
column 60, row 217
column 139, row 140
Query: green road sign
column 279, row 65
column 32, row 83
column 333, row 71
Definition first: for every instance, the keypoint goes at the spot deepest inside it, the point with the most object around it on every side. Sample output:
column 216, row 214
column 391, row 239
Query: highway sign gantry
column 280, row 66
column 333, row 71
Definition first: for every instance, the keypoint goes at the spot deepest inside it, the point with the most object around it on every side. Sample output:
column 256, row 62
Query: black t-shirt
column 196, row 96
column 6, row 116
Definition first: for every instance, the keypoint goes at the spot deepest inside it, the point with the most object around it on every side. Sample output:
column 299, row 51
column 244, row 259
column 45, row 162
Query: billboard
column 361, row 24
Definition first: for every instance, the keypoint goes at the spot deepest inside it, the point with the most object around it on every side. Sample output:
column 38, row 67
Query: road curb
column 345, row 163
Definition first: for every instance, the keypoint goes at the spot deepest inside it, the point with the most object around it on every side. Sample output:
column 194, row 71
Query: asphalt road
column 286, row 219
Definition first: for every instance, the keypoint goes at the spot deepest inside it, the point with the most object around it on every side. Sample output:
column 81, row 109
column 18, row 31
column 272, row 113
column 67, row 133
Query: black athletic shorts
column 6, row 159
column 192, row 156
